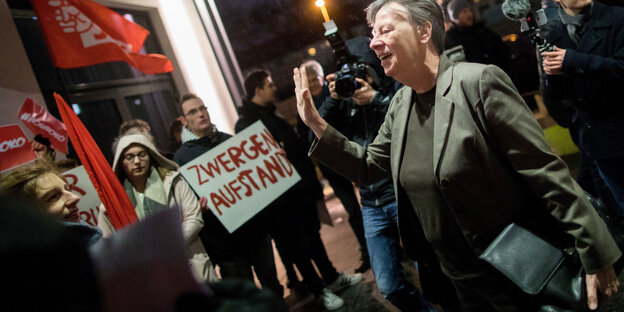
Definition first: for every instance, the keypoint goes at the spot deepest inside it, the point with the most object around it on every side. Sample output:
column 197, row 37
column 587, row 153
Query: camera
column 348, row 66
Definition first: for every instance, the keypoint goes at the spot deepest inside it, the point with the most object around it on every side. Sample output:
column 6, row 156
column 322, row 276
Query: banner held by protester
column 39, row 121
column 14, row 147
column 242, row 175
column 89, row 205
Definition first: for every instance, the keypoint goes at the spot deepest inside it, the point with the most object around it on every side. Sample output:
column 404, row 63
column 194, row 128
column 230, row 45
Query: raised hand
column 305, row 105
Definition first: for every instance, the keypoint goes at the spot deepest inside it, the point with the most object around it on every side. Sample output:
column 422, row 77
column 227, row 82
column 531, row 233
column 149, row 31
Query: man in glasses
column 250, row 245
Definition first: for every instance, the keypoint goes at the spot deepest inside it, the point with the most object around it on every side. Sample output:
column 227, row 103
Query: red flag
column 14, row 147
column 113, row 196
column 39, row 121
column 81, row 33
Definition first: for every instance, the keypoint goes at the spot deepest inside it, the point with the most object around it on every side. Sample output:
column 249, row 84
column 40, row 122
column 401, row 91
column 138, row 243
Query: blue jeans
column 382, row 240
column 611, row 171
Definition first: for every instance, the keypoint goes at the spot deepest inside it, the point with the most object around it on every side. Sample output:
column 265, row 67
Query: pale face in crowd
column 315, row 82
column 395, row 41
column 266, row 95
column 465, row 18
column 196, row 117
column 54, row 195
column 136, row 162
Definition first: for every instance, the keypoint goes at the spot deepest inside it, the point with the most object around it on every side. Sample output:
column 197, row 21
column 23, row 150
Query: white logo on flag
column 72, row 20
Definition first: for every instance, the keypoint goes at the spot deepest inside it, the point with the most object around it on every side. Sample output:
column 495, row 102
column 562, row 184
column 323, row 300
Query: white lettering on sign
column 26, row 117
column 12, row 144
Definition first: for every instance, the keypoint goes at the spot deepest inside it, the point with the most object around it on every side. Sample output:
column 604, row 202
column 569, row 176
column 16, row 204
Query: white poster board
column 241, row 176
column 80, row 184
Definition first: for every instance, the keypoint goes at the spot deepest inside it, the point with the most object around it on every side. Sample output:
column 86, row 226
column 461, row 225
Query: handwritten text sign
column 80, row 184
column 241, row 176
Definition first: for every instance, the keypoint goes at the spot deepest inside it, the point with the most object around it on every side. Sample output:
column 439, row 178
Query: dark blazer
column 592, row 82
column 479, row 189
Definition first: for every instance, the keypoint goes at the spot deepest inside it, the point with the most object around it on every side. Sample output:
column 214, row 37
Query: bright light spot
column 510, row 37
column 319, row 3
column 76, row 109
column 312, row 51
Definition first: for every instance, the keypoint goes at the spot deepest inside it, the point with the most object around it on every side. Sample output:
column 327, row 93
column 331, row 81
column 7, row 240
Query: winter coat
column 178, row 194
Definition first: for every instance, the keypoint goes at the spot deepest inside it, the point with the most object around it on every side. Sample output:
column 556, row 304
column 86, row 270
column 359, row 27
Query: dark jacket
column 296, row 148
column 481, row 45
column 361, row 124
column 592, row 81
column 219, row 243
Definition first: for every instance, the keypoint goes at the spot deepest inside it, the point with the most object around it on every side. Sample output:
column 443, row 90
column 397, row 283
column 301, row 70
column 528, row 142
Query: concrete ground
column 343, row 250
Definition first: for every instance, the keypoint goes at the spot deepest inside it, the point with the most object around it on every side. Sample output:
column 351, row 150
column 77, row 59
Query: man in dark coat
column 585, row 74
column 250, row 245
column 295, row 227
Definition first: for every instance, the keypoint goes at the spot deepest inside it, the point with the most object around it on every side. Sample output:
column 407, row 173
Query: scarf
column 150, row 202
column 187, row 135
column 575, row 24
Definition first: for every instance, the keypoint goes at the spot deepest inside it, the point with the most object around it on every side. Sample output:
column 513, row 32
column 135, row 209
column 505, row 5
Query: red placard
column 14, row 147
column 39, row 121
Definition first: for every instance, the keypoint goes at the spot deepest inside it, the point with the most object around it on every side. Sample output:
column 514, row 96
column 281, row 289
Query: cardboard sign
column 14, row 147
column 39, row 121
column 241, row 176
column 80, row 184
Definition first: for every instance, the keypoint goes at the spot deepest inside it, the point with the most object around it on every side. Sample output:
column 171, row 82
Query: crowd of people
column 443, row 153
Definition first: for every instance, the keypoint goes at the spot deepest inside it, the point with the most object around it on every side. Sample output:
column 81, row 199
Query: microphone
column 516, row 10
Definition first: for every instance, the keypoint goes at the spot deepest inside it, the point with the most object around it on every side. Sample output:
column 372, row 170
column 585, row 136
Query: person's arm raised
column 305, row 105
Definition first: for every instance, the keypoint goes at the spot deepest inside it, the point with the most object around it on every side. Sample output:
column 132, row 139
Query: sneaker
column 345, row 280
column 330, row 301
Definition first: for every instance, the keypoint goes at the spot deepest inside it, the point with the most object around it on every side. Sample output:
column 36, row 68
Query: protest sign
column 242, row 175
column 14, row 147
column 39, row 121
column 80, row 184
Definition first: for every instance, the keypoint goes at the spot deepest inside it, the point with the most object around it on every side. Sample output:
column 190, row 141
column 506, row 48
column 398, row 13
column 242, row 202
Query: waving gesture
column 305, row 105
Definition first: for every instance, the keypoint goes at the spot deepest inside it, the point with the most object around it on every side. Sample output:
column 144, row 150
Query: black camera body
column 346, row 84
column 348, row 68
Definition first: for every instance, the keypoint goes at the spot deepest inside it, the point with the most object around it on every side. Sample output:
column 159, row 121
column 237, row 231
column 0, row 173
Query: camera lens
column 346, row 86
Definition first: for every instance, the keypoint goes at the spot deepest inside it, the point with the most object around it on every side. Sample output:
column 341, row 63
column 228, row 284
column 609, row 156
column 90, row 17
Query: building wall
column 196, row 71
column 17, row 79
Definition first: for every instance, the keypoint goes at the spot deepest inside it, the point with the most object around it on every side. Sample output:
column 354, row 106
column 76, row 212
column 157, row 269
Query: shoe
column 330, row 301
column 345, row 280
column 364, row 266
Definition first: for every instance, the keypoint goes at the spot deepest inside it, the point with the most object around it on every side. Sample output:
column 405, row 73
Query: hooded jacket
column 178, row 194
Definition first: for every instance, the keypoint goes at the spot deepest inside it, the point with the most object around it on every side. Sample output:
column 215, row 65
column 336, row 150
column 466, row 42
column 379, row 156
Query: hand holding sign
column 242, row 175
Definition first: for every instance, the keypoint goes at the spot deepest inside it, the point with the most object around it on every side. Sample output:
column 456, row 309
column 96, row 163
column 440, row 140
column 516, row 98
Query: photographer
column 584, row 74
column 359, row 119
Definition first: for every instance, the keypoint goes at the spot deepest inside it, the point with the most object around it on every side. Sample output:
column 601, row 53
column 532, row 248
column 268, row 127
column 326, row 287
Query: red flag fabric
column 81, row 33
column 14, row 147
column 39, row 121
column 113, row 196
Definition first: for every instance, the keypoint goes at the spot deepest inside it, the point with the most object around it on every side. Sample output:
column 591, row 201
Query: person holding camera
column 343, row 188
column 358, row 118
column 584, row 75
column 467, row 159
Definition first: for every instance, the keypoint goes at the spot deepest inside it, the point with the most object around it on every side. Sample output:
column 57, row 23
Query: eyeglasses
column 130, row 157
column 194, row 111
